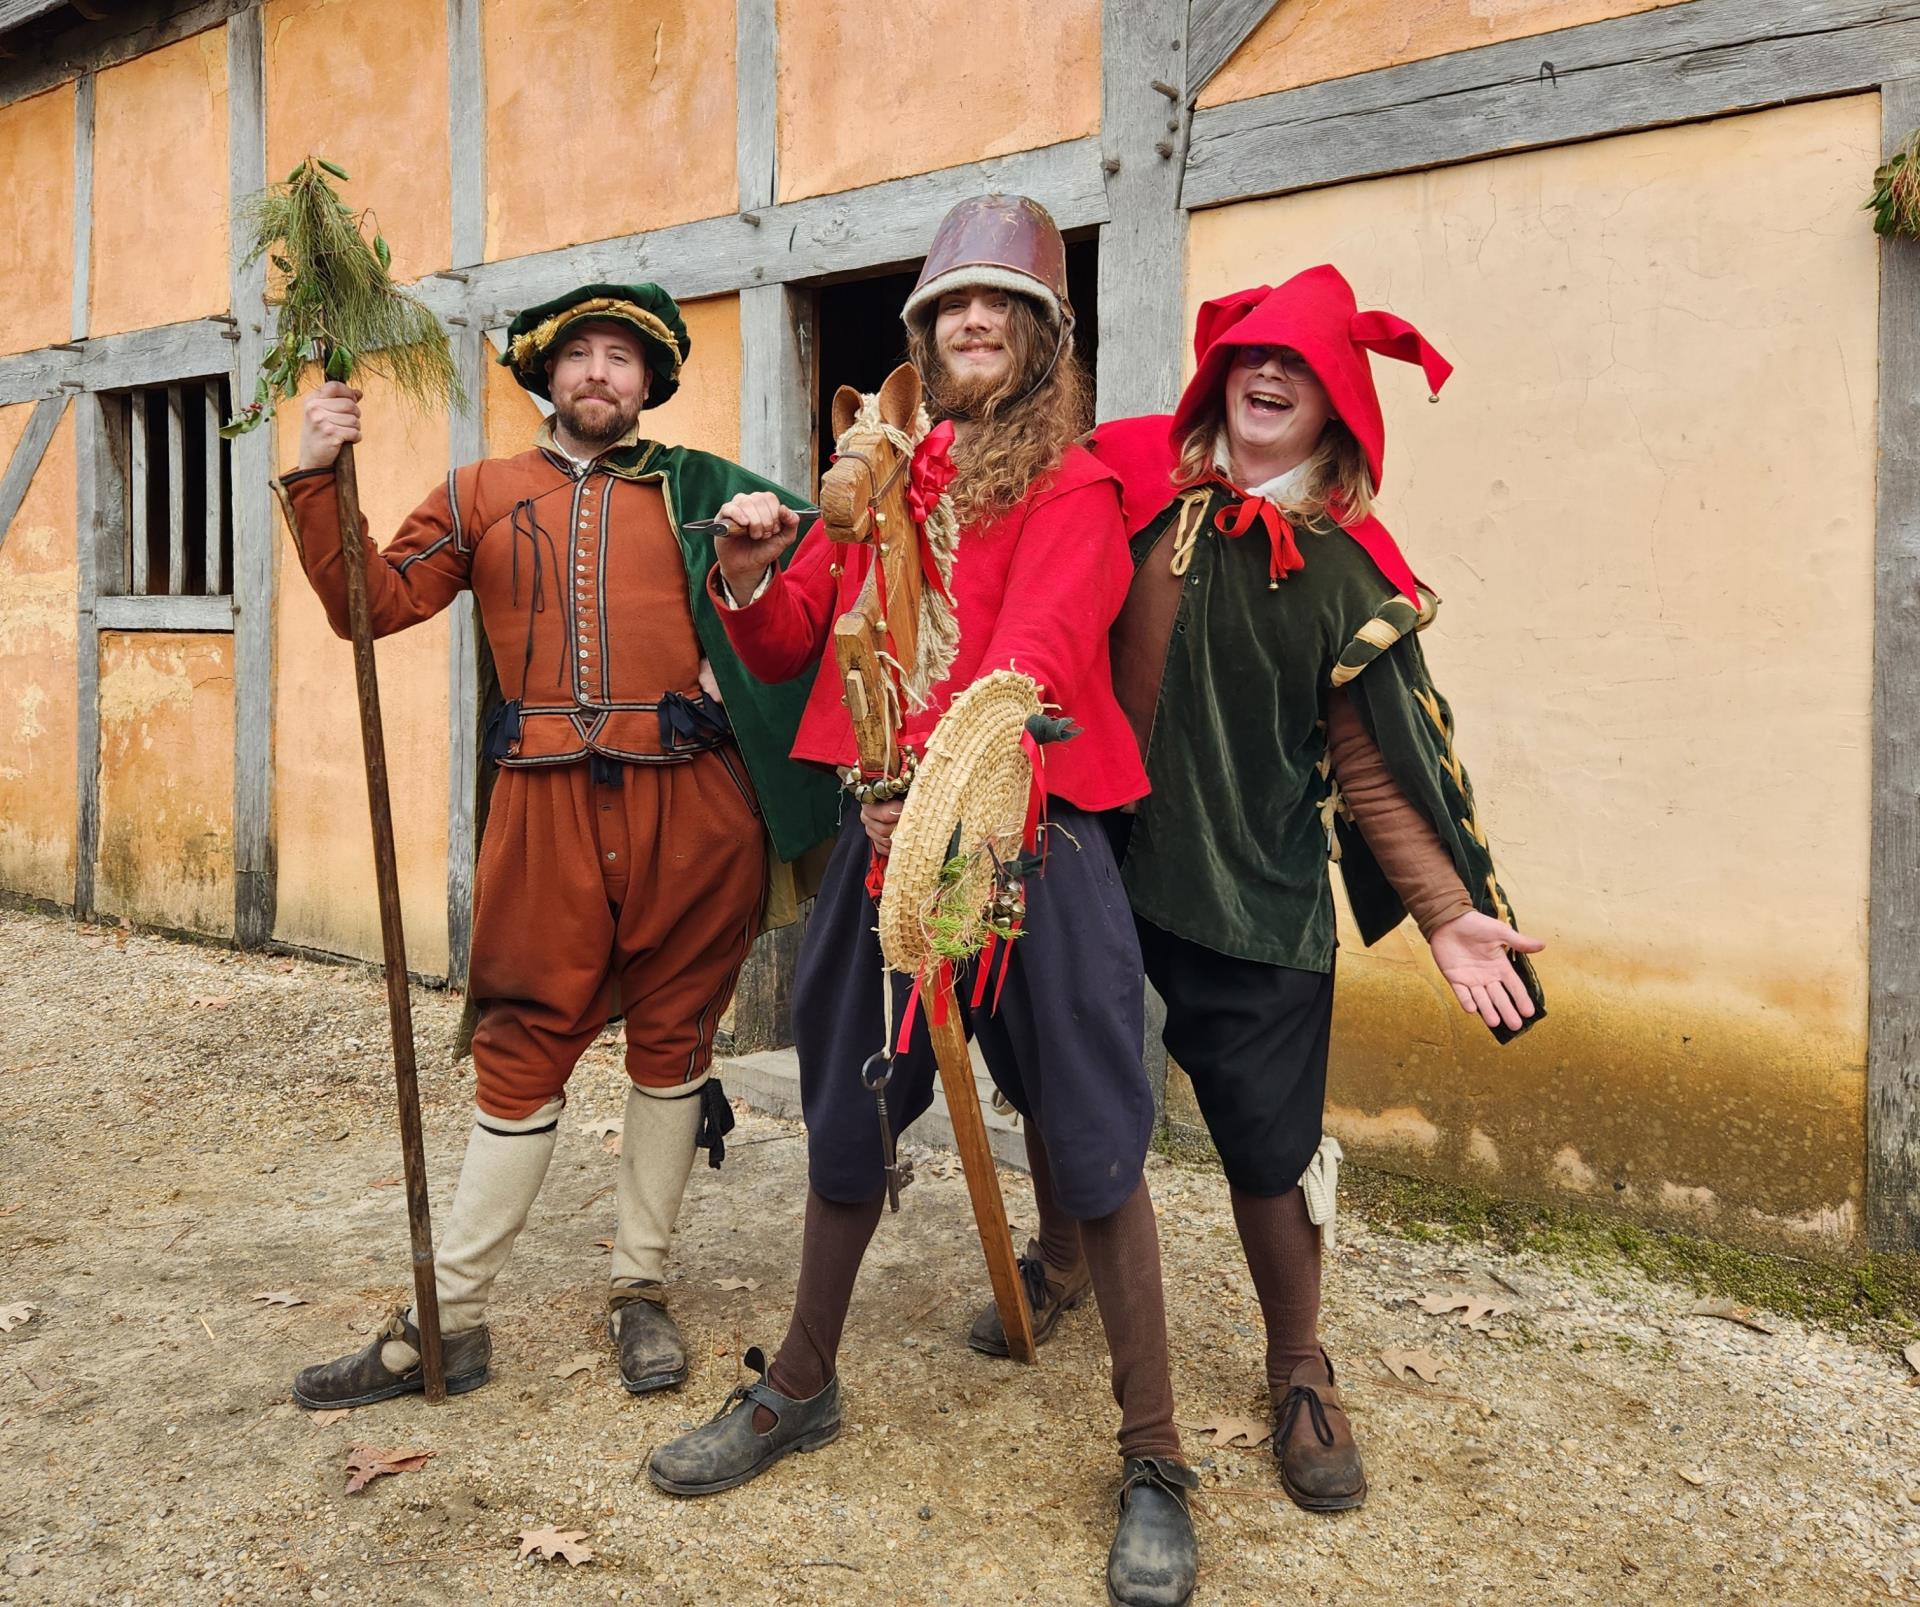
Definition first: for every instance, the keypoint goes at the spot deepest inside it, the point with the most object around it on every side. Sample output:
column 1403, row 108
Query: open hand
column 761, row 528
column 329, row 420
column 1471, row 951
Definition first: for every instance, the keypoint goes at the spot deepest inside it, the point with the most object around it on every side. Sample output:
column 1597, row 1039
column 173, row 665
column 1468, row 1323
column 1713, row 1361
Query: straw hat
column 973, row 781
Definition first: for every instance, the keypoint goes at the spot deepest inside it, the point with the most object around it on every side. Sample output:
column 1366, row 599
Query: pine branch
column 338, row 305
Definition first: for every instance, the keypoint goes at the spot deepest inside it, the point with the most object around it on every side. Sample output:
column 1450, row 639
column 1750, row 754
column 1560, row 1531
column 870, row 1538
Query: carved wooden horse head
column 863, row 495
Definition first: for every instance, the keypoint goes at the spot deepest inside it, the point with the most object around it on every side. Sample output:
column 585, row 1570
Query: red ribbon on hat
column 1283, row 553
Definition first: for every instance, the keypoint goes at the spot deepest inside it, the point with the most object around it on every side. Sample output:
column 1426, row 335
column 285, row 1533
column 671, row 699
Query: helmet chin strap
column 1059, row 345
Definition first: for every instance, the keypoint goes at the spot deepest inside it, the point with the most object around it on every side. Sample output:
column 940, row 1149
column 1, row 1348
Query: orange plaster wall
column 36, row 221
column 870, row 92
column 704, row 412
column 160, row 187
column 166, row 780
column 1666, row 344
column 38, row 582
column 366, row 87
column 605, row 121
column 1310, row 41
column 326, row 888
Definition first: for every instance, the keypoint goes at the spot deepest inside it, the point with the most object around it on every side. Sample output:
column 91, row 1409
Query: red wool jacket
column 1035, row 590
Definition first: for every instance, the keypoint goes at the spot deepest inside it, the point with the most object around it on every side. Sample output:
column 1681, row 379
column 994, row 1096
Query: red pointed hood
column 1316, row 314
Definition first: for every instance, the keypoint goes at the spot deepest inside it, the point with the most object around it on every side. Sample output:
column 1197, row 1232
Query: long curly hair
column 1017, row 437
column 1339, row 485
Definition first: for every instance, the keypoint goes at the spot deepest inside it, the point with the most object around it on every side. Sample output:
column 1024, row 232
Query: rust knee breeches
column 647, row 891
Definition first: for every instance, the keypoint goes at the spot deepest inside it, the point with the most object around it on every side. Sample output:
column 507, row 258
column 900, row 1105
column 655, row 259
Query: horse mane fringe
column 939, row 626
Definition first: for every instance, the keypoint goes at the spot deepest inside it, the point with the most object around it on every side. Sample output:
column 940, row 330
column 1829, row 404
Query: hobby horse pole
column 393, row 942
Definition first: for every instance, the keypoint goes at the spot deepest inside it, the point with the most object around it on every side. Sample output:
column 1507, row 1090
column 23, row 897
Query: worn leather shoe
column 1320, row 1465
column 390, row 1366
column 1048, row 1295
column 652, row 1355
column 728, row 1450
column 1154, row 1558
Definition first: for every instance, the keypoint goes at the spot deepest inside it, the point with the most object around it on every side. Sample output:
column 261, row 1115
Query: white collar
column 1280, row 490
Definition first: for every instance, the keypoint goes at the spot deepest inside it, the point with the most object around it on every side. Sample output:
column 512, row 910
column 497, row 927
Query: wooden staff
column 863, row 675
column 393, row 942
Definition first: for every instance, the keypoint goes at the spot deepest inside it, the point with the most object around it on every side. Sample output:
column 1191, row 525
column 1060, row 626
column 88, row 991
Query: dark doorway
column 860, row 339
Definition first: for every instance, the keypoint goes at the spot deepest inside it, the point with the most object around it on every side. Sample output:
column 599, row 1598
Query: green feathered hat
column 648, row 309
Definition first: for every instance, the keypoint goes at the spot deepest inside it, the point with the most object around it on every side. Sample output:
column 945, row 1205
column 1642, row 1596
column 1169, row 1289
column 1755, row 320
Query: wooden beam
column 467, row 129
column 821, row 237
column 1215, row 30
column 163, row 613
column 777, row 413
column 1677, row 64
column 100, row 545
column 15, row 12
column 139, row 468
column 133, row 30
column 27, row 453
column 83, row 102
column 250, row 470
column 212, row 558
column 466, row 442
column 756, row 63
column 156, row 356
column 176, row 491
column 1893, row 966
column 1143, row 246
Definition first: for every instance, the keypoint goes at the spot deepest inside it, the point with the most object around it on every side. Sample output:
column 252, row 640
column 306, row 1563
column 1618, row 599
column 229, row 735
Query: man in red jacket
column 1040, row 572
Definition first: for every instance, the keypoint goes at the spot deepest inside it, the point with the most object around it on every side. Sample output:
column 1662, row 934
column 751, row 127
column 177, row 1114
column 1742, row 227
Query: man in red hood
column 1268, row 661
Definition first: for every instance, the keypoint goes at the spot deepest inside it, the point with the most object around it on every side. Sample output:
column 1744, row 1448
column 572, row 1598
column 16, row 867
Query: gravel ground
column 183, row 1129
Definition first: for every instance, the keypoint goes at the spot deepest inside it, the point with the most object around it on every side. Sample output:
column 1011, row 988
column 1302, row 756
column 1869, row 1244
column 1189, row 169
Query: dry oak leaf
column 212, row 1001
column 579, row 1364
column 1727, row 1311
column 1418, row 1362
column 368, row 1462
column 603, row 1244
column 556, row 1544
column 1228, row 1430
column 12, row 1316
column 331, row 1415
column 606, row 1127
column 1475, row 1311
column 281, row 1297
column 731, row 1284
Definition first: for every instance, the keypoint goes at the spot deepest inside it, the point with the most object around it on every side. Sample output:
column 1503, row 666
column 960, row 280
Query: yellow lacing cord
column 1186, row 530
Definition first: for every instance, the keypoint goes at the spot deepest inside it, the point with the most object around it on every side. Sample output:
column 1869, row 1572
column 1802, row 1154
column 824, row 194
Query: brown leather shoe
column 1049, row 1293
column 1320, row 1466
column 652, row 1354
column 378, row 1373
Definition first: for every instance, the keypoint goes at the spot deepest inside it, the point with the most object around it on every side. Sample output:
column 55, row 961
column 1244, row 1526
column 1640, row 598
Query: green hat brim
column 648, row 310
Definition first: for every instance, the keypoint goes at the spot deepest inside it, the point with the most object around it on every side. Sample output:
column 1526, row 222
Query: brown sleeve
column 419, row 572
column 1402, row 839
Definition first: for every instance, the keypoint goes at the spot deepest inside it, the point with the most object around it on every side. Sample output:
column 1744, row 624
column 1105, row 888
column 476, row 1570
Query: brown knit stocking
column 1059, row 1234
column 1283, row 1253
column 835, row 1238
column 1123, row 1253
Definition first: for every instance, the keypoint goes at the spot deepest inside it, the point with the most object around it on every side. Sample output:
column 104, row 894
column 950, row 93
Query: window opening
column 178, row 489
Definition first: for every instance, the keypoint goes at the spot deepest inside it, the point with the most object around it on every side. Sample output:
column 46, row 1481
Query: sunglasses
column 1293, row 367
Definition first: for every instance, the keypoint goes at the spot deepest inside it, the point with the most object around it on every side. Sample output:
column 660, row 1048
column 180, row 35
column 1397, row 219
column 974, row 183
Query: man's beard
column 973, row 396
column 607, row 424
